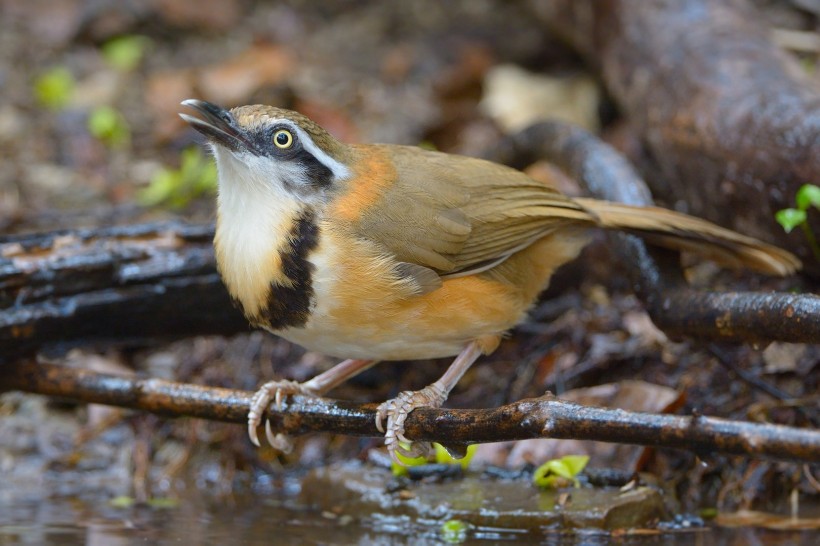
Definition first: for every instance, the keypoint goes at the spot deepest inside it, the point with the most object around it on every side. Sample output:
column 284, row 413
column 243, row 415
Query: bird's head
column 271, row 150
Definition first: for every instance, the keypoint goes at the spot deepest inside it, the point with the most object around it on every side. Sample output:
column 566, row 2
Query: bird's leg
column 395, row 411
column 277, row 390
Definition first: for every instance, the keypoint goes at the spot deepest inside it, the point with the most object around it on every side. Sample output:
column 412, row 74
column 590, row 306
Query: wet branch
column 545, row 417
column 135, row 285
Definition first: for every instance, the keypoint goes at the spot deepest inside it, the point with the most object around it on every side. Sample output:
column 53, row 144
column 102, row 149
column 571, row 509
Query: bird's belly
column 380, row 326
column 361, row 312
column 384, row 345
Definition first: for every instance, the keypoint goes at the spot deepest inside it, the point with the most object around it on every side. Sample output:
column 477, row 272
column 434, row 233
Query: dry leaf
column 515, row 98
column 232, row 82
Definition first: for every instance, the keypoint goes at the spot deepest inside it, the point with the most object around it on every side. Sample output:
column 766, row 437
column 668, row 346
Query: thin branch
column 545, row 417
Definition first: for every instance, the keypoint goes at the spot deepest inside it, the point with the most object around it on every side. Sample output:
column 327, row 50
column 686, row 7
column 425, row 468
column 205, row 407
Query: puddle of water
column 270, row 519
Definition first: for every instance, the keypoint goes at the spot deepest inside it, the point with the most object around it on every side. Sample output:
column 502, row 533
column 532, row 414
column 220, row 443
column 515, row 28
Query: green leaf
column 790, row 218
column 125, row 52
column 454, row 531
column 443, row 457
column 401, row 470
column 566, row 467
column 122, row 502
column 109, row 126
column 54, row 88
column 808, row 195
column 195, row 176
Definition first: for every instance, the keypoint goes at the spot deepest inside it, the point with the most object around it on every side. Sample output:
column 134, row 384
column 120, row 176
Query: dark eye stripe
column 317, row 172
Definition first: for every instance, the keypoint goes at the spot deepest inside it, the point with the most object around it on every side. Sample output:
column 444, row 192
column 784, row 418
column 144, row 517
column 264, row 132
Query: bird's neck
column 263, row 238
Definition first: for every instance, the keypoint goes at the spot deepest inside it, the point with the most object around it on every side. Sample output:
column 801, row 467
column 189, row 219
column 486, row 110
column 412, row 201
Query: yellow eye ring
column 283, row 139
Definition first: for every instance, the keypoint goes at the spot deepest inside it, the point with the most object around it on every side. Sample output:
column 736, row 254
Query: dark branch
column 535, row 418
column 123, row 285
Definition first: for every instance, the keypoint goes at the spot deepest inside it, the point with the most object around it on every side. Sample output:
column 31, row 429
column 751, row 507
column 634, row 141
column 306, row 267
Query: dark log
column 123, row 285
column 545, row 417
column 731, row 121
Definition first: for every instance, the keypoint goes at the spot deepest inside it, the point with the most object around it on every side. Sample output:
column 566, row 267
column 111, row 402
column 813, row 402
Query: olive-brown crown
column 256, row 116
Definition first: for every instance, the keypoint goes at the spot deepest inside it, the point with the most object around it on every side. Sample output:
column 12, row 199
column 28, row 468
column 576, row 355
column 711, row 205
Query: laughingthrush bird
column 376, row 252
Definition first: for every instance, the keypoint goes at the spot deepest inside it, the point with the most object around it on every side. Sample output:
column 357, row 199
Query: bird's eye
column 283, row 139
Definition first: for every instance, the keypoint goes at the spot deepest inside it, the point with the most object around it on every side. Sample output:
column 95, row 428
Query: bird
column 382, row 252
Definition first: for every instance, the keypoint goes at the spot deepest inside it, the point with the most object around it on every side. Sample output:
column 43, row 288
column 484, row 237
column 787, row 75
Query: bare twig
column 545, row 417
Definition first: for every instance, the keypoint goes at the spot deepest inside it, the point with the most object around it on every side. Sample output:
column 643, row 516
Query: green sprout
column 454, row 531
column 54, row 87
column 560, row 472
column 109, row 126
column 125, row 52
column 441, row 457
column 177, row 187
column 807, row 196
column 444, row 457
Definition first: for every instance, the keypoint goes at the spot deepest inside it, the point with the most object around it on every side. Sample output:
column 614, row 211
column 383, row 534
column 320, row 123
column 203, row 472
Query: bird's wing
column 459, row 215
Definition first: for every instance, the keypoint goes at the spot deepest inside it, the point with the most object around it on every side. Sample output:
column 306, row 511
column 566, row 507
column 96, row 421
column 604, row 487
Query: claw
column 253, row 423
column 269, row 433
column 391, row 416
column 276, row 391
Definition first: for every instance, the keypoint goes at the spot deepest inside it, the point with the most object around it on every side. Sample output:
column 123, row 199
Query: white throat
column 255, row 214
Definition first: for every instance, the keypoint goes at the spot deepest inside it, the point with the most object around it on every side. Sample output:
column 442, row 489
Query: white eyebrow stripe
column 339, row 171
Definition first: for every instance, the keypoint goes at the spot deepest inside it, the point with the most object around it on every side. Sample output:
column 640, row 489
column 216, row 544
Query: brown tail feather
column 681, row 232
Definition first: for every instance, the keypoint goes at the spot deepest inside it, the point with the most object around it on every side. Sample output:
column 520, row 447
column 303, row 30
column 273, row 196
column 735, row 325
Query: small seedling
column 53, row 88
column 177, row 187
column 109, row 126
column 560, row 472
column 444, row 457
column 807, row 196
column 454, row 531
column 441, row 457
column 125, row 52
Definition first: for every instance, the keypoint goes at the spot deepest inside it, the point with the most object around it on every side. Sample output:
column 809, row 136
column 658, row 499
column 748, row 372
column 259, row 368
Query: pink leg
column 433, row 396
column 277, row 390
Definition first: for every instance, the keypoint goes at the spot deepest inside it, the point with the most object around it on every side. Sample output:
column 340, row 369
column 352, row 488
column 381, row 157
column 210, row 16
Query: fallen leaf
column 783, row 357
column 232, row 82
column 164, row 91
column 516, row 98
column 221, row 15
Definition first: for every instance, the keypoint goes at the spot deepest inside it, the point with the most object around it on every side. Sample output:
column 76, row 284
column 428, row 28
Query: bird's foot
column 275, row 391
column 391, row 415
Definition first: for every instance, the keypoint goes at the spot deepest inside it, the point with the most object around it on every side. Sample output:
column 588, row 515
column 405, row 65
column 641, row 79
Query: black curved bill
column 218, row 125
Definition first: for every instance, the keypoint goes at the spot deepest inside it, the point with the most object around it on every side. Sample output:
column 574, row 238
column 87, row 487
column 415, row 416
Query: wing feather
column 455, row 213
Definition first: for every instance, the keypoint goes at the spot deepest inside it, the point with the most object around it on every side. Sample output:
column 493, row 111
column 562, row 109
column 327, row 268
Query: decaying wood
column 132, row 284
column 545, row 417
column 731, row 121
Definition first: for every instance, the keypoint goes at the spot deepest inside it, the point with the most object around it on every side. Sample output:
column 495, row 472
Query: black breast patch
column 289, row 306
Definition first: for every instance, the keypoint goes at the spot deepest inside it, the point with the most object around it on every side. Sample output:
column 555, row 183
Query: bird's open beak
column 218, row 125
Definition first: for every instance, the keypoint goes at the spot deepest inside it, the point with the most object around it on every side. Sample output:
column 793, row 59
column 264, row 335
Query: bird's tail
column 682, row 232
